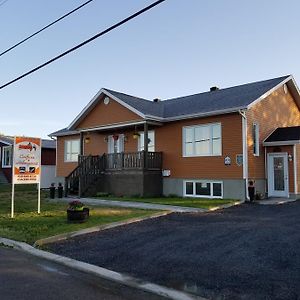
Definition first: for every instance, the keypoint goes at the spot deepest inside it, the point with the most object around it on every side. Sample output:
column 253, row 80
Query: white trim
column 271, row 191
column 11, row 157
column 93, row 102
column 112, row 126
column 210, row 125
column 73, row 132
column 269, row 92
column 194, row 181
column 65, row 150
column 281, row 143
column 295, row 170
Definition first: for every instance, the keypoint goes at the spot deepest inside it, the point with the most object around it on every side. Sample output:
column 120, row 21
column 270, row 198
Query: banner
column 26, row 160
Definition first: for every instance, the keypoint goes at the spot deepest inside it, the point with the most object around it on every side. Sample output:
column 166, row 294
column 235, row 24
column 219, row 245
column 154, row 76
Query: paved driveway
column 245, row 252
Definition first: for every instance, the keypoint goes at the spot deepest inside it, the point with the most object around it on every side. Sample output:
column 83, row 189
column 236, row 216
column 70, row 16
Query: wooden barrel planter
column 78, row 216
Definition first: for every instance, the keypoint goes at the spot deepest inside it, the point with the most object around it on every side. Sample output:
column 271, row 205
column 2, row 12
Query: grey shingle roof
column 49, row 144
column 284, row 134
column 228, row 99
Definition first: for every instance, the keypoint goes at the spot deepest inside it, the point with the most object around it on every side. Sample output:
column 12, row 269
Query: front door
column 278, row 181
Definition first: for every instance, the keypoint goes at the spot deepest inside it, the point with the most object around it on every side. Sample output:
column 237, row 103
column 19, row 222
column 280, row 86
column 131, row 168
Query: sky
column 178, row 48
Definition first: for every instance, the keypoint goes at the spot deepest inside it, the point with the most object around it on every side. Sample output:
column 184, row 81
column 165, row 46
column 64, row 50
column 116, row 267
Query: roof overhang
column 281, row 143
column 71, row 132
column 6, row 142
column 292, row 86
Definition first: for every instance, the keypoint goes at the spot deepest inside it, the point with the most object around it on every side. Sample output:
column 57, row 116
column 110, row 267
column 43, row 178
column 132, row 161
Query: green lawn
column 28, row 226
column 178, row 201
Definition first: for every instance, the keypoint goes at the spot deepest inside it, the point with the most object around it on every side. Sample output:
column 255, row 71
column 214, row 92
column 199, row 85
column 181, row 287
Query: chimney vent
column 214, row 88
column 156, row 100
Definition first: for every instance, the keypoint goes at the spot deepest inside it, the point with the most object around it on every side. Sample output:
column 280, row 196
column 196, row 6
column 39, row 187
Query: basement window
column 203, row 189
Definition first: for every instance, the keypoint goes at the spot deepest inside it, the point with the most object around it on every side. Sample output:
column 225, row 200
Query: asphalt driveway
column 244, row 252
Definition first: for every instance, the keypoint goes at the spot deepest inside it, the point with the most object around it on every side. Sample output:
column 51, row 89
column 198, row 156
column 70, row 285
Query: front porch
column 134, row 173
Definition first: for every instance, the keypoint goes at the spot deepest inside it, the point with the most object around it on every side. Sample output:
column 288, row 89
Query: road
column 26, row 277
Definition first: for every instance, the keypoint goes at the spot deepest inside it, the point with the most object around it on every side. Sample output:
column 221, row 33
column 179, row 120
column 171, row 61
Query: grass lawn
column 28, row 226
column 178, row 201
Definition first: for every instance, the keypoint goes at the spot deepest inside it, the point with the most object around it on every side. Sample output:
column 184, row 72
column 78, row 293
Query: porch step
column 3, row 179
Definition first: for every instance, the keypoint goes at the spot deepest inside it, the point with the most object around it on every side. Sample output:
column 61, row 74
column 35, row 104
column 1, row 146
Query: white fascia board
column 281, row 143
column 64, row 134
column 112, row 126
column 269, row 92
column 6, row 143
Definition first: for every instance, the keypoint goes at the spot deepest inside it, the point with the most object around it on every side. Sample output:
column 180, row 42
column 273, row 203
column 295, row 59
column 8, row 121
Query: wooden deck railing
column 90, row 168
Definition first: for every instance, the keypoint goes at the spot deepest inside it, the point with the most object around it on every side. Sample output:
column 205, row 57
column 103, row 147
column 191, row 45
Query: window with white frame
column 202, row 140
column 72, row 150
column 151, row 141
column 255, row 130
column 6, row 157
column 203, row 189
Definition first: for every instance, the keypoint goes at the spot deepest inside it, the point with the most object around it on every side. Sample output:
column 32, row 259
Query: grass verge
column 28, row 226
column 177, row 201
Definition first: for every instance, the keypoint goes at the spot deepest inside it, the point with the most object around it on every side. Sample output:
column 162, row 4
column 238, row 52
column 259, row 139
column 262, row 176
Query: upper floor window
column 202, row 140
column 151, row 141
column 6, row 157
column 255, row 130
column 72, row 150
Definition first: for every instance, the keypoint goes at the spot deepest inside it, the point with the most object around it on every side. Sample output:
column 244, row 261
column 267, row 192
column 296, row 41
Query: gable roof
column 284, row 135
column 221, row 101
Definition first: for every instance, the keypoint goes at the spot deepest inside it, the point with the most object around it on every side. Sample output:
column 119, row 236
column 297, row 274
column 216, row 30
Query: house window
column 7, row 157
column 72, row 150
column 202, row 140
column 256, row 139
column 151, row 141
column 203, row 189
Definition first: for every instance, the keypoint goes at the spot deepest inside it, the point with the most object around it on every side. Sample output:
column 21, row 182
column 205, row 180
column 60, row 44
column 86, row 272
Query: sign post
column 26, row 165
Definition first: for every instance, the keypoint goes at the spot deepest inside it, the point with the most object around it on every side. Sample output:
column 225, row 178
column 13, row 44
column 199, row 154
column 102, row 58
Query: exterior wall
column 288, row 150
column 63, row 168
column 168, row 139
column 48, row 157
column 276, row 110
column 232, row 188
column 48, row 176
column 6, row 171
column 111, row 113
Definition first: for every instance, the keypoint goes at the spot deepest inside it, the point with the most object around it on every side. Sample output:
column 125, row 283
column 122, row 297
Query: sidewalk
column 131, row 204
column 275, row 201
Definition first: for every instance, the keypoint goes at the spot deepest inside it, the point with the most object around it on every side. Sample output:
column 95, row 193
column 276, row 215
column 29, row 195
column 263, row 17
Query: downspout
column 245, row 151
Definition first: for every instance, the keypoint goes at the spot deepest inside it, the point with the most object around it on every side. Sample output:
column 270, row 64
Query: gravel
column 245, row 252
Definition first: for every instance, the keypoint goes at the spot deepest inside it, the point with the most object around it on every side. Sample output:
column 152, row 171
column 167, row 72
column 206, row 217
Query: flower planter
column 78, row 216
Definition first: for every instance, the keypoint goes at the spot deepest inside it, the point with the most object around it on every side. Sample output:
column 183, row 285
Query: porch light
column 290, row 157
column 136, row 135
column 87, row 140
column 106, row 139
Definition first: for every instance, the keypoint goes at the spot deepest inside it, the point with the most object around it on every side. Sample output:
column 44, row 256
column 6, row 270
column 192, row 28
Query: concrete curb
column 68, row 235
column 227, row 205
column 102, row 272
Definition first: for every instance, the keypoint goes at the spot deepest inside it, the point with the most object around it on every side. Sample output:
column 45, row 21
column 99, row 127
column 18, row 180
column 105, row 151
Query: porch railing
column 90, row 168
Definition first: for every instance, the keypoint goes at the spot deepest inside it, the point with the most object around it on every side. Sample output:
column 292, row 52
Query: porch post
column 146, row 145
column 81, row 144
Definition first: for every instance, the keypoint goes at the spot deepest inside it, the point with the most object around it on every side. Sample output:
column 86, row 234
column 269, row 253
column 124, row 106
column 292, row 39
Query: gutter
column 245, row 151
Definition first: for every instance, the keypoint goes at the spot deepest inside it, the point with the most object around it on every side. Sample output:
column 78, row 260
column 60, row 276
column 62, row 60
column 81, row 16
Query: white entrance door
column 278, row 181
column 116, row 143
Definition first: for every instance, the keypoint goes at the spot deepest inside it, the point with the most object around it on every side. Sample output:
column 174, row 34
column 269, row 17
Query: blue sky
column 180, row 47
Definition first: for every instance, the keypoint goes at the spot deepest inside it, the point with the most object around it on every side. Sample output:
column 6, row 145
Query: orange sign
column 27, row 160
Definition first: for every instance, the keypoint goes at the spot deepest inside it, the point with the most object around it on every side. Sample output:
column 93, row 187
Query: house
column 48, row 161
column 204, row 145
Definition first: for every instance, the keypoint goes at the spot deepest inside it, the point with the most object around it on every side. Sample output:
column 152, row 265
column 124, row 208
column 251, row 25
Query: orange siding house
column 208, row 145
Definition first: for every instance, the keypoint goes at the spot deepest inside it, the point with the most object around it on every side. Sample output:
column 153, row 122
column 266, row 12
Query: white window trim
column 139, row 140
column 211, row 196
column 201, row 125
column 256, row 136
column 65, row 151
column 2, row 164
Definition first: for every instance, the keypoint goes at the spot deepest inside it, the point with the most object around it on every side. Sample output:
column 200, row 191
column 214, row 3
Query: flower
column 76, row 205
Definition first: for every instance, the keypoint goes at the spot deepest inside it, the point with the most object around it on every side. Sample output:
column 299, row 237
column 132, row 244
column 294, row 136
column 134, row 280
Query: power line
column 84, row 43
column 45, row 27
column 3, row 2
